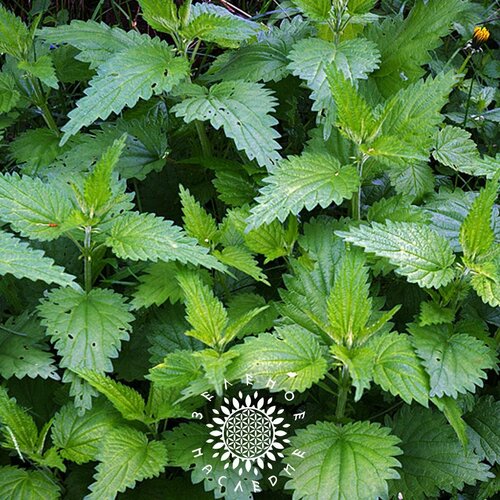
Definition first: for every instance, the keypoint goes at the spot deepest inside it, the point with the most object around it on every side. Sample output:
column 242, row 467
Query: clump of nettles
column 249, row 248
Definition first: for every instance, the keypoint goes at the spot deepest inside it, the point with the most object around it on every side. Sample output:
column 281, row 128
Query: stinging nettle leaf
column 419, row 253
column 243, row 110
column 126, row 456
column 16, row 483
column 343, row 461
column 135, row 73
column 304, row 181
column 141, row 236
column 455, row 362
column 22, row 261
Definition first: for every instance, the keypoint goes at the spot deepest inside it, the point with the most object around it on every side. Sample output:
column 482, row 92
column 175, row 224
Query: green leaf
column 125, row 399
column 23, row 351
column 30, row 205
column 22, row 484
column 405, row 45
column 453, row 413
column 360, row 362
column 18, row 428
column 79, row 436
column 476, row 234
column 9, row 95
column 398, row 370
column 141, row 236
column 354, row 116
column 484, row 429
column 97, row 42
column 311, row 57
column 396, row 208
column 408, row 121
column 264, row 60
column 161, row 15
column 22, row 261
column 212, row 23
column 240, row 258
column 304, row 181
column 158, row 285
column 97, row 188
column 15, row 38
column 432, row 313
column 215, row 366
column 455, row 148
column 455, row 362
column 414, row 180
column 205, row 312
column 87, row 330
column 178, row 369
column 343, row 461
column 349, row 305
column 132, row 74
column 271, row 240
column 419, row 253
column 292, row 357
column 126, row 457
column 486, row 282
column 318, row 10
column 197, row 222
column 433, row 459
column 243, row 110
column 43, row 69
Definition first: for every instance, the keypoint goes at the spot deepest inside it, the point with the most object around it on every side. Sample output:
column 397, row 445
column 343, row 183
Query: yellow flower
column 480, row 35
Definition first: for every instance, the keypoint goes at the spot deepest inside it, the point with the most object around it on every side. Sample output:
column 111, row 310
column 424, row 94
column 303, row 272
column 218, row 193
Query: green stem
column 202, row 135
column 343, row 393
column 356, row 197
column 87, row 259
column 467, row 104
column 41, row 101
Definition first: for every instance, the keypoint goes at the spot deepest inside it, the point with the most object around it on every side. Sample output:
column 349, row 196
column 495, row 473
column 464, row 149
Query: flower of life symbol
column 248, row 432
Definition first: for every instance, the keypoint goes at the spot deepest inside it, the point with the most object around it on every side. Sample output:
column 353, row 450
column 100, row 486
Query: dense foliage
column 300, row 191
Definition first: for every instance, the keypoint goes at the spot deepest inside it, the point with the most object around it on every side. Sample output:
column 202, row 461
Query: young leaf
column 79, row 437
column 419, row 253
column 205, row 312
column 292, row 357
column 212, row 23
column 243, row 109
column 271, row 240
column 484, row 428
column 34, row 208
column 197, row 222
column 97, row 42
column 161, row 15
column 349, row 305
column 178, row 369
column 343, row 461
column 97, row 188
column 303, row 182
column 476, row 234
column 18, row 428
column 132, row 74
column 318, row 10
column 15, row 38
column 240, row 258
column 16, row 483
column 455, row 362
column 311, row 57
column 398, row 370
column 9, row 95
column 433, row 459
column 141, row 236
column 22, row 261
column 43, row 69
column 126, row 456
column 125, row 399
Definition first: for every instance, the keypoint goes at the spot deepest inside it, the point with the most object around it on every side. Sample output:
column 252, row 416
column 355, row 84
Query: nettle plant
column 306, row 196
